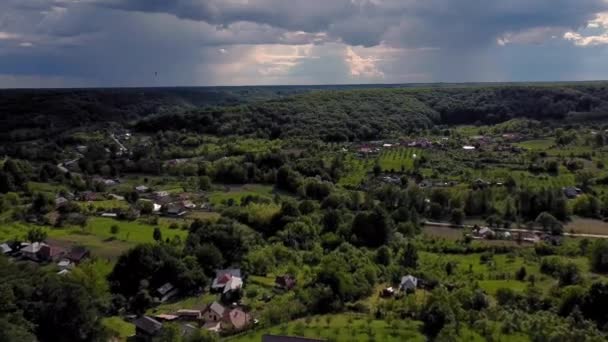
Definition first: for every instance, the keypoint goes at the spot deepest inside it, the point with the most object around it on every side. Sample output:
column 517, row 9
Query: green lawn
column 538, row 144
column 195, row 303
column 399, row 159
column 96, row 235
column 118, row 327
column 238, row 192
column 357, row 171
column 342, row 327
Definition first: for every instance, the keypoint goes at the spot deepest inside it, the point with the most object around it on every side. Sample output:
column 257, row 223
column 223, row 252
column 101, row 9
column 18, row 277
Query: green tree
column 36, row 235
column 157, row 235
column 599, row 256
column 114, row 229
column 549, row 223
column 409, row 258
column 457, row 216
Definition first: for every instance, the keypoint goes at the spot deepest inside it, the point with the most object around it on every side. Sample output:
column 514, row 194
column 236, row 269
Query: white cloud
column 362, row 66
column 580, row 40
column 8, row 36
column 599, row 26
column 601, row 20
column 536, row 35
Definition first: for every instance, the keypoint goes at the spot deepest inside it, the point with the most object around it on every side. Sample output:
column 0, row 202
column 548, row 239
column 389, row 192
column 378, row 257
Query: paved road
column 513, row 230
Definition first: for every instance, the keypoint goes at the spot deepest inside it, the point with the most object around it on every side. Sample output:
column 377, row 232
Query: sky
column 127, row 43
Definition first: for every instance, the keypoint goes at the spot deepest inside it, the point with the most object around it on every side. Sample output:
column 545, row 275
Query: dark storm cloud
column 368, row 22
column 124, row 42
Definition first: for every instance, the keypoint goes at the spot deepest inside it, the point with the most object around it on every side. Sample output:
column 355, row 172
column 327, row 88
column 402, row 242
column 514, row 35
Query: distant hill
column 334, row 112
column 363, row 114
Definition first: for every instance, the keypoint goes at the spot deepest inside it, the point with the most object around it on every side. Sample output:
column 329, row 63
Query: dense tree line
column 375, row 113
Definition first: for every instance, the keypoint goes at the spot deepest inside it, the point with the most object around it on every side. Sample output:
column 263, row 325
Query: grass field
column 342, row 328
column 236, row 193
column 538, row 144
column 357, row 171
column 399, row 159
column 96, row 235
column 118, row 327
column 190, row 303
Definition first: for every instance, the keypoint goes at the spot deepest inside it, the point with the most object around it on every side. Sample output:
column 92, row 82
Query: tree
column 599, row 256
column 372, row 228
column 457, row 216
column 436, row 314
column 377, row 169
column 114, row 229
column 409, row 258
column 36, row 235
column 146, row 207
column 570, row 274
column 157, row 235
column 383, row 256
column 209, row 257
column 549, row 222
column 521, row 274
column 204, row 183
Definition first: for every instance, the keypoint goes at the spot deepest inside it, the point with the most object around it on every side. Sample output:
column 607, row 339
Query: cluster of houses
column 42, row 252
column 163, row 202
column 485, row 233
column 215, row 317
column 167, row 204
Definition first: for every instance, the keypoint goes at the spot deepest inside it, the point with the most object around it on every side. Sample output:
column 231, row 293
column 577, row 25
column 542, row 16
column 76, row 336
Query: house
column 425, row 184
column 50, row 253
column 227, row 281
column 77, row 254
column 391, row 180
column 235, row 319
column 213, row 313
column 166, row 317
column 141, row 188
column 5, row 248
column 484, row 232
column 63, row 272
column 60, row 201
column 280, row 338
column 175, row 210
column 188, row 315
column 88, row 196
column 529, row 237
column 188, row 204
column 110, row 215
column 64, row 264
column 480, row 183
column 572, row 192
column 285, row 282
column 166, row 291
column 161, row 194
column 408, row 283
column 468, row 147
column 116, row 197
column 147, row 327
column 30, row 251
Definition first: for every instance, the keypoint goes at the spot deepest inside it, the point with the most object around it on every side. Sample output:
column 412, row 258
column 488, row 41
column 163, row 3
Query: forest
column 472, row 212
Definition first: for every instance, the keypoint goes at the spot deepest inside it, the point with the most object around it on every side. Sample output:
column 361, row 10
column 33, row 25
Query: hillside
column 365, row 114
